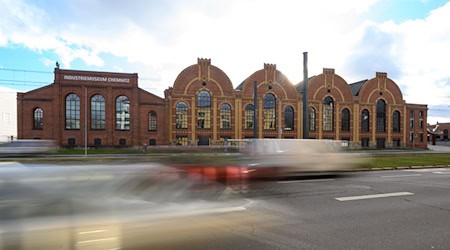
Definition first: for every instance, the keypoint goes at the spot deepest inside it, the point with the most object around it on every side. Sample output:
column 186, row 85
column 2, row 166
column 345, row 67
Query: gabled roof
column 356, row 87
column 240, row 86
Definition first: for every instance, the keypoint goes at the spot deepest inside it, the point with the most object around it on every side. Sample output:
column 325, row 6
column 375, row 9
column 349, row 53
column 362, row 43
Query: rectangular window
column 122, row 142
column 420, row 119
column 411, row 119
column 181, row 140
column 365, row 142
column 249, row 119
column 203, row 118
column 411, row 137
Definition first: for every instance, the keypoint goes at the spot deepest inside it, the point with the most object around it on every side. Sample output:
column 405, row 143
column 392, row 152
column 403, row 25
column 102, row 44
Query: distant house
column 8, row 114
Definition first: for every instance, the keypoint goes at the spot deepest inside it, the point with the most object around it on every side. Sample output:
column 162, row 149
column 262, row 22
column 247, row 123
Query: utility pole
column 305, row 97
column 255, row 110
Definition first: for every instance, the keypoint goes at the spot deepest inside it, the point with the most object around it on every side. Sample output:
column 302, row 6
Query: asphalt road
column 396, row 209
column 408, row 209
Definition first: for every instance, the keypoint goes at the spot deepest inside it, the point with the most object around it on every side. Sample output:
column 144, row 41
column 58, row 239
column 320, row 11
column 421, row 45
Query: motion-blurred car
column 283, row 157
column 26, row 147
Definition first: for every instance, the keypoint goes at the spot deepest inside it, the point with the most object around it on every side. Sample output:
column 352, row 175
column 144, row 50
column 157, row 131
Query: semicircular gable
column 329, row 83
column 198, row 76
column 185, row 76
column 279, row 84
column 381, row 87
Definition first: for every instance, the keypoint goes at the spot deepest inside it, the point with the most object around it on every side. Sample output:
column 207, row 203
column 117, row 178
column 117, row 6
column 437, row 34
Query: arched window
column 98, row 114
column 381, row 116
column 72, row 111
column 38, row 118
column 312, row 119
column 204, row 110
column 249, row 115
column 181, row 115
column 289, row 118
column 122, row 113
column 345, row 120
column 225, row 116
column 396, row 121
column 328, row 114
column 152, row 120
column 365, row 121
column 269, row 112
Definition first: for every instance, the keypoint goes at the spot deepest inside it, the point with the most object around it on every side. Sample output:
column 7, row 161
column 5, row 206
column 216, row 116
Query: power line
column 27, row 71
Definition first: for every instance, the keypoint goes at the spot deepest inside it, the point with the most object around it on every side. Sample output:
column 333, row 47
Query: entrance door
column 203, row 140
column 381, row 143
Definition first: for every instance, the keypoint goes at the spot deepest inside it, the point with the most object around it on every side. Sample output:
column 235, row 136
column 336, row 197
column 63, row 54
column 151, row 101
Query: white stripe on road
column 297, row 181
column 395, row 176
column 440, row 172
column 372, row 196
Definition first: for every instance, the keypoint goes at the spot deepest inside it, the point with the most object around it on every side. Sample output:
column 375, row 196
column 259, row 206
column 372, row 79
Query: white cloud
column 159, row 39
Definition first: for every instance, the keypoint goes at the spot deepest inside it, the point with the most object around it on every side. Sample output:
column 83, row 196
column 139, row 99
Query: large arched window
column 365, row 121
column 328, row 114
column 269, row 112
column 249, row 115
column 289, row 118
column 345, row 120
column 204, row 110
column 312, row 119
column 225, row 116
column 122, row 113
column 152, row 121
column 72, row 111
column 38, row 118
column 98, row 116
column 396, row 121
column 181, row 115
column 381, row 116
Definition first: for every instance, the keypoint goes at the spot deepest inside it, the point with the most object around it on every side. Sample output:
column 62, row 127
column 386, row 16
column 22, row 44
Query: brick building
column 203, row 108
column 115, row 111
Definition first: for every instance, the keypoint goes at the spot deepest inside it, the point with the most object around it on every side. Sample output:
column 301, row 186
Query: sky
column 407, row 39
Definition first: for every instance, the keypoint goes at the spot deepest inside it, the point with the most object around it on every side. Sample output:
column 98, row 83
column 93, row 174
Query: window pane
column 365, row 120
column 225, row 116
column 249, row 115
column 181, row 115
column 345, row 120
column 38, row 118
column 72, row 111
column 269, row 115
column 312, row 119
column 381, row 116
column 152, row 120
column 328, row 114
column 122, row 113
column 98, row 120
column 289, row 118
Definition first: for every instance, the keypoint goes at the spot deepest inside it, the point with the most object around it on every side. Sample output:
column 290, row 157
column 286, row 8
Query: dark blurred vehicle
column 27, row 147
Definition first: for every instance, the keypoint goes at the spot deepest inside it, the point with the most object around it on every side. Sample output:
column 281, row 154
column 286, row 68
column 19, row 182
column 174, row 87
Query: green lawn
column 408, row 160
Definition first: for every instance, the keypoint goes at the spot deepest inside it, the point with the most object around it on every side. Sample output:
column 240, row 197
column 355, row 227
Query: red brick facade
column 52, row 100
column 202, row 107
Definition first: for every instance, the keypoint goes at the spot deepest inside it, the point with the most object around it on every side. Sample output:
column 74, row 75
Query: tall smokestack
column 305, row 97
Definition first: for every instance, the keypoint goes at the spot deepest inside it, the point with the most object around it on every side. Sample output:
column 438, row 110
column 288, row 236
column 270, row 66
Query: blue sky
column 408, row 39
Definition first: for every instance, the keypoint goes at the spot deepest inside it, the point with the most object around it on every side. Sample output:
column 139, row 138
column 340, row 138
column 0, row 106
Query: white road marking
column 372, row 196
column 300, row 181
column 441, row 172
column 395, row 176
